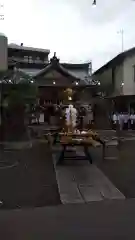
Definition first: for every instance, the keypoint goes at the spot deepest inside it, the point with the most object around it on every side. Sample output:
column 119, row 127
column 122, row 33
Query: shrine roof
column 75, row 65
column 55, row 65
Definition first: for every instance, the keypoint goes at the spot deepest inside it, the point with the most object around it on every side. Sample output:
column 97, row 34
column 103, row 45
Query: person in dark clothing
column 50, row 110
column 30, row 111
column 45, row 112
column 37, row 112
column 82, row 113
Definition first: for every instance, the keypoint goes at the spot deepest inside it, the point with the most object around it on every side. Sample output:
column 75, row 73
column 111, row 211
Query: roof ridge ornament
column 54, row 59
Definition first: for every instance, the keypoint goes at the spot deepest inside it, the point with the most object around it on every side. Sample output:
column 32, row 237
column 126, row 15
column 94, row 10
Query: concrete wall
column 3, row 53
column 129, row 84
column 85, row 96
column 123, row 73
column 105, row 78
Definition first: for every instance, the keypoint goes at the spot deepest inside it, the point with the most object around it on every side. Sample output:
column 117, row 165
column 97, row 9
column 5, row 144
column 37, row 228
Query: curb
column 16, row 145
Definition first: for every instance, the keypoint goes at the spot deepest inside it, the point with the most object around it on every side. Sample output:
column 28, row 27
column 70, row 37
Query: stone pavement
column 81, row 182
column 107, row 220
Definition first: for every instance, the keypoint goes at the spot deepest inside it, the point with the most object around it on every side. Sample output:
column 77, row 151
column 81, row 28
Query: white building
column 117, row 78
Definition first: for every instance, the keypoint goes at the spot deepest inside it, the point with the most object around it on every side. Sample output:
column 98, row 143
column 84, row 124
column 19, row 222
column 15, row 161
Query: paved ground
column 101, row 220
column 31, row 182
column 81, row 182
column 121, row 171
column 119, row 167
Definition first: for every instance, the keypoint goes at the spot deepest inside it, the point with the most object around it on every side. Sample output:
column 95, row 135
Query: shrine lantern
column 69, row 94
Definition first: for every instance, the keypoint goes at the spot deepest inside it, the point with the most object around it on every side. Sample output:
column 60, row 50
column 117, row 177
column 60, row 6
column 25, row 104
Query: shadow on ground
column 120, row 171
column 32, row 182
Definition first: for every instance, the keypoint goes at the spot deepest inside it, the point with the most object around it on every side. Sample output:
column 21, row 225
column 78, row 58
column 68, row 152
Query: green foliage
column 15, row 99
column 22, row 94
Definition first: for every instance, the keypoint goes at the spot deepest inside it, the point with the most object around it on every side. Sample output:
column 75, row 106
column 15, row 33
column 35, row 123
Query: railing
column 27, row 60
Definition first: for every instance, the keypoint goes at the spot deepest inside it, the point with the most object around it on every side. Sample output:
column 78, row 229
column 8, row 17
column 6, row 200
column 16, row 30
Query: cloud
column 72, row 28
column 105, row 12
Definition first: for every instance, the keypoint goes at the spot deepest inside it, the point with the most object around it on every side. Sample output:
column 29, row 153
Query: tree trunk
column 15, row 124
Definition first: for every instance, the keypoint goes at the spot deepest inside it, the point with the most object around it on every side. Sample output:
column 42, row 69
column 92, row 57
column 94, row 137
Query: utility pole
column 122, row 39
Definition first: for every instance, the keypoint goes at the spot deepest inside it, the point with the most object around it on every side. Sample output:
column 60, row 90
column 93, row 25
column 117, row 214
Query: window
column 37, row 60
column 25, row 58
column 134, row 73
column 30, row 59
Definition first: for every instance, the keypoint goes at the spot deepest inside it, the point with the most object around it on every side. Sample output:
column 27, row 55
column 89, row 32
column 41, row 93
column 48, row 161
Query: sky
column 73, row 29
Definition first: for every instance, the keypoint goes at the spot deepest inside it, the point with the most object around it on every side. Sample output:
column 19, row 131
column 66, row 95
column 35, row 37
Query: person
column 114, row 120
column 82, row 114
column 63, row 117
column 132, row 120
column 45, row 112
column 31, row 112
column 37, row 113
column 121, row 120
column 71, row 117
column 89, row 115
column 126, row 120
column 51, row 114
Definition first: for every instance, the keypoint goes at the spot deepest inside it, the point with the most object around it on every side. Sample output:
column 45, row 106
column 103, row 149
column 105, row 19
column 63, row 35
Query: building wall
column 105, row 78
column 118, row 79
column 114, row 77
column 123, row 73
column 27, row 58
column 129, row 83
column 106, row 81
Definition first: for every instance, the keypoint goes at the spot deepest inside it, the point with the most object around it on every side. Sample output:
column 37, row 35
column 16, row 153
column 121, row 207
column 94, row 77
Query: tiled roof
column 54, row 64
column 10, row 74
column 15, row 46
column 116, row 60
column 75, row 65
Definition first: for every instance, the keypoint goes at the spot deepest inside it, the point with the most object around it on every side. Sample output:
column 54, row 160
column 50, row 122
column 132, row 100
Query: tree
column 18, row 95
